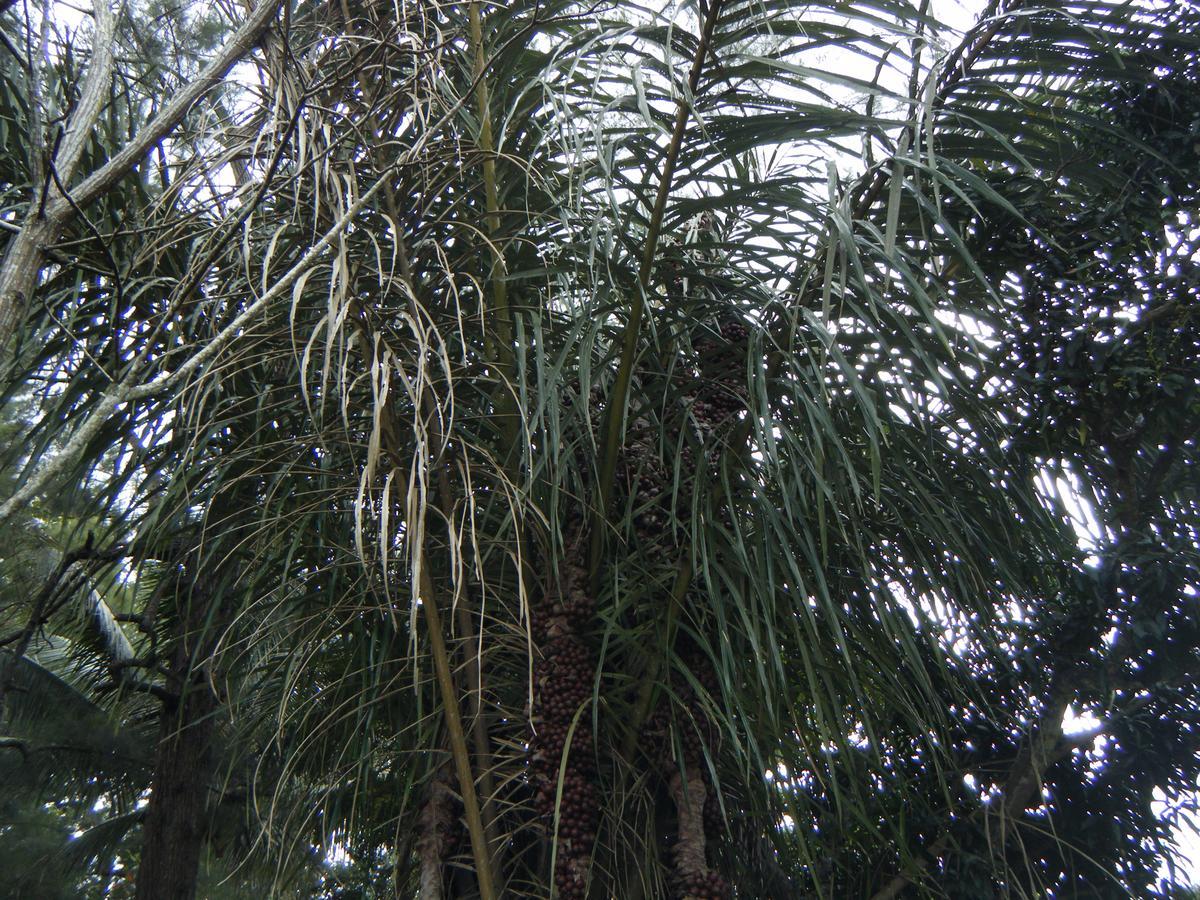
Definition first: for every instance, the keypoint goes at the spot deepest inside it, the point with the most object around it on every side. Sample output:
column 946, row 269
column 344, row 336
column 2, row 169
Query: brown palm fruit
column 563, row 679
column 702, row 886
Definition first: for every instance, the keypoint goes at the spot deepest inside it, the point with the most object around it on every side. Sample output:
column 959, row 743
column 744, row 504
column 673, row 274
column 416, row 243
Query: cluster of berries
column 721, row 393
column 641, row 472
column 702, row 886
column 563, row 682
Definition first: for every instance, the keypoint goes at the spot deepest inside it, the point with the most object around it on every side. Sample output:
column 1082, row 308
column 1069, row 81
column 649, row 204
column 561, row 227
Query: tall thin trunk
column 175, row 825
column 184, row 766
column 436, row 823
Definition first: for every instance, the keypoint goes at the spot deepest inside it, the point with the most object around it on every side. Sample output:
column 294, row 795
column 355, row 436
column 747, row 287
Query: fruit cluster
column 697, row 735
column 641, row 472
column 578, row 816
column 702, row 886
column 563, row 682
column 722, row 388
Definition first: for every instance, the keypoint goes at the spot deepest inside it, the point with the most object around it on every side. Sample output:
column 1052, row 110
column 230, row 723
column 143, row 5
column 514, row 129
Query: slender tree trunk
column 184, row 765
column 175, row 825
column 19, row 269
column 436, row 822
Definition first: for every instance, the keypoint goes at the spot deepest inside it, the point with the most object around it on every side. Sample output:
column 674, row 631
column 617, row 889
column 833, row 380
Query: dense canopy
column 599, row 450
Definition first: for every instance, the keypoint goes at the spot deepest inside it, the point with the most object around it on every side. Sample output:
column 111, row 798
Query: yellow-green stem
column 479, row 727
column 491, row 194
column 499, row 340
column 614, row 415
column 458, row 741
column 483, row 836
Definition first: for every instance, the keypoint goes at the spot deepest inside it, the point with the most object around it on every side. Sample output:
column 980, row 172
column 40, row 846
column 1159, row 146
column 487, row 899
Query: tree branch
column 23, row 259
column 83, row 120
column 172, row 114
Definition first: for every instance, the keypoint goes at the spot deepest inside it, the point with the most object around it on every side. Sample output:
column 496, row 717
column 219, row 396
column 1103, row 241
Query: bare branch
column 91, row 98
column 23, row 259
column 172, row 114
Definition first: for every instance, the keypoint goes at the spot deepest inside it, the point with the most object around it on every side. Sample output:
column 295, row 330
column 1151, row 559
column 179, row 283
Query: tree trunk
column 177, row 816
column 19, row 271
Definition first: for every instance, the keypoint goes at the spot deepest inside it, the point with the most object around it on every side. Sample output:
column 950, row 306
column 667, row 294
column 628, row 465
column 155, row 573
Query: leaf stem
column 458, row 740
column 614, row 416
column 498, row 341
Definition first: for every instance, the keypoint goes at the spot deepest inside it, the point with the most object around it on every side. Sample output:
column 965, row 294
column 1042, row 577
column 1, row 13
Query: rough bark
column 174, row 830
column 437, row 820
column 689, row 795
column 48, row 209
column 184, row 766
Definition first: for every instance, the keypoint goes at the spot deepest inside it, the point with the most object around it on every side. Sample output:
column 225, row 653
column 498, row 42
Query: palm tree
column 618, row 451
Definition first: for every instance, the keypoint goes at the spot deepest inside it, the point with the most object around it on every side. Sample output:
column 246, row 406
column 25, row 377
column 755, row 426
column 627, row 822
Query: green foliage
column 352, row 341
